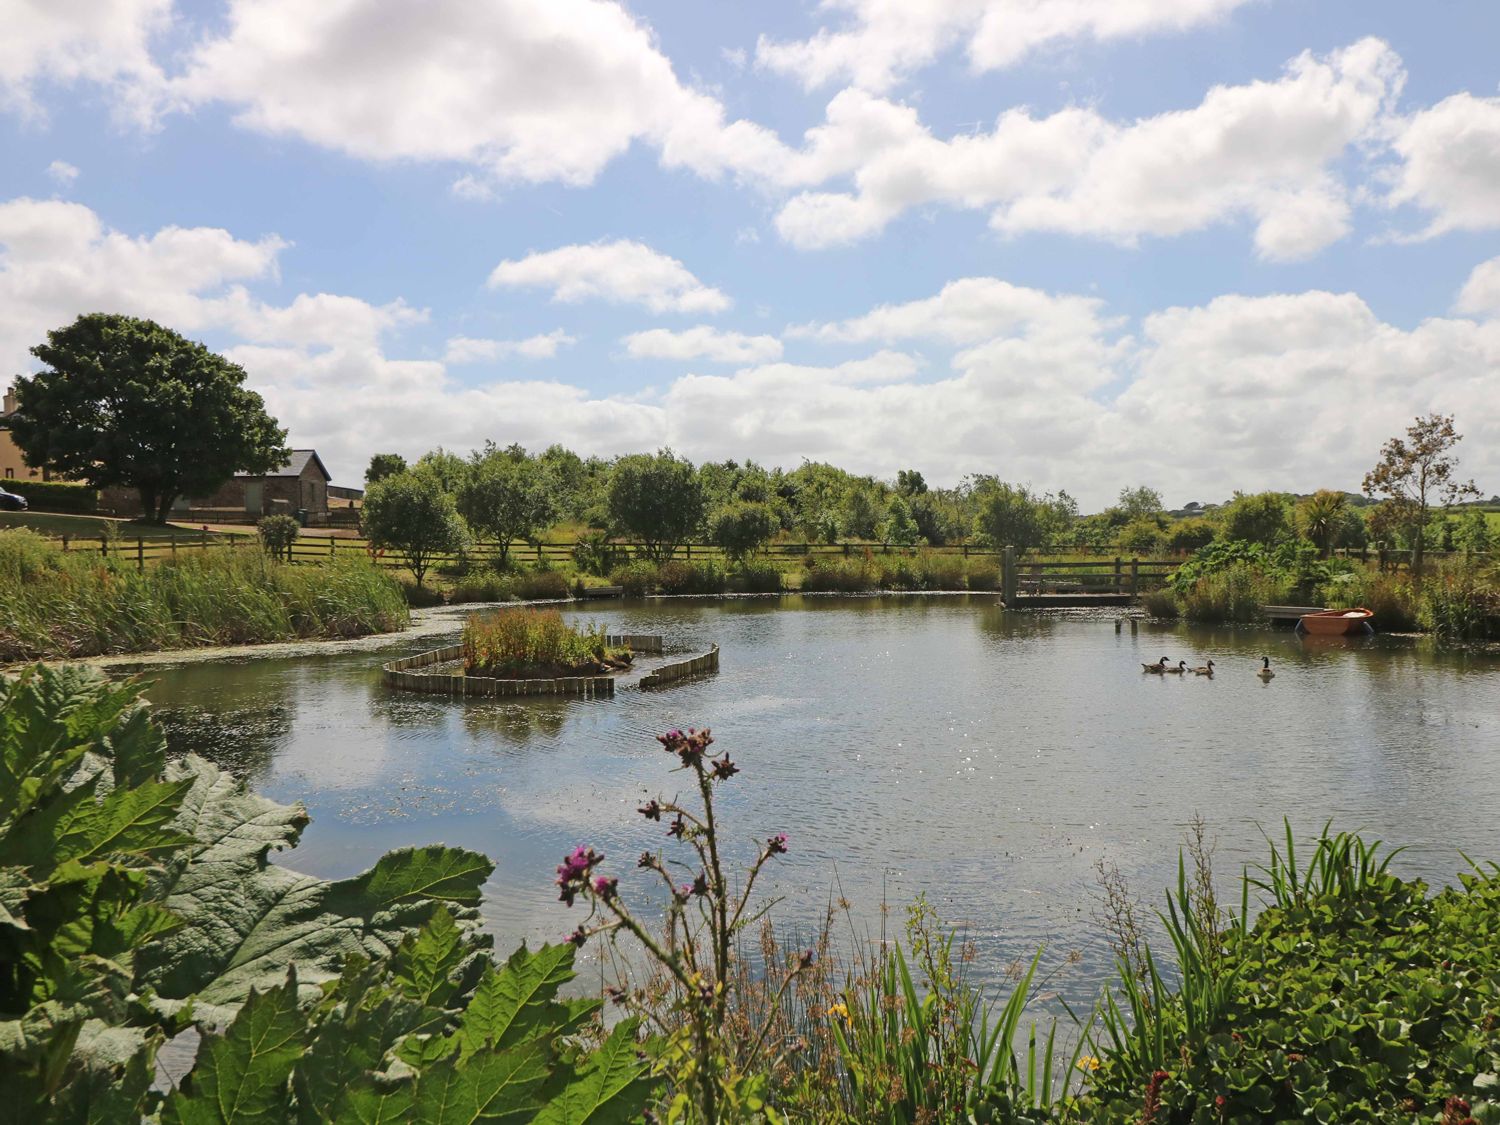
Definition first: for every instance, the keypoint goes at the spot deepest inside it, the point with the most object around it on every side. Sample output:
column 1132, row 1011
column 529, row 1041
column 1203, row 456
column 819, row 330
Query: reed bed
column 513, row 642
column 59, row 604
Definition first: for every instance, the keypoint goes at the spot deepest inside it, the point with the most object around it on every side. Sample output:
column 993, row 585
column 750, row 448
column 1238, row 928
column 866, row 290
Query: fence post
column 140, row 554
column 1008, row 578
column 104, row 545
column 1117, row 575
column 689, row 552
column 1135, row 577
column 66, row 538
column 174, row 546
column 203, row 538
column 332, row 541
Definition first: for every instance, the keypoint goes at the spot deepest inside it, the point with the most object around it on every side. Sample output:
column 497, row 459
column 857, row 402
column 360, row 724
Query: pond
column 904, row 744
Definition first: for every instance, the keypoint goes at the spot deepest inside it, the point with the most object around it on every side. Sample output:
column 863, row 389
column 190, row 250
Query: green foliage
column 1161, row 603
column 1263, row 518
column 137, row 899
column 1008, row 515
column 594, row 554
column 657, row 500
column 690, row 578
column 542, row 585
column 124, row 401
column 1141, row 536
column 1139, row 503
column 55, row 495
column 384, row 465
column 1415, row 474
column 1320, row 518
column 1393, row 598
column 56, row 603
column 412, row 514
column 1457, row 606
column 841, row 575
column 635, row 578
column 517, row 643
column 506, row 495
column 277, row 534
column 755, row 578
column 899, row 527
column 1353, row 997
column 1235, row 594
column 742, row 527
column 1473, row 532
column 1188, row 535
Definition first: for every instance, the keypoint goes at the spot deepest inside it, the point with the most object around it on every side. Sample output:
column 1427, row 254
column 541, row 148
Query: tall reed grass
column 67, row 604
column 512, row 642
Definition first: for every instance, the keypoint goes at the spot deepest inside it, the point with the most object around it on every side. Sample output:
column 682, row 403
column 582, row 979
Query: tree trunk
column 148, row 501
column 164, row 506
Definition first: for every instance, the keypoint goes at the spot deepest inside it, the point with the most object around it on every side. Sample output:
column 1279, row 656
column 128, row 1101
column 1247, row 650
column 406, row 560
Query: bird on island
column 1206, row 670
column 1158, row 668
column 1265, row 672
column 1177, row 671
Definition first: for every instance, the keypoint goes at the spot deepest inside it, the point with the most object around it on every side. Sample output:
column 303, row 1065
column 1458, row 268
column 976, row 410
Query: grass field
column 89, row 527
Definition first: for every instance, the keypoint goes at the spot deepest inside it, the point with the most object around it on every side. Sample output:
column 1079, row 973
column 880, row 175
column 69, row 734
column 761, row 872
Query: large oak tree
column 124, row 401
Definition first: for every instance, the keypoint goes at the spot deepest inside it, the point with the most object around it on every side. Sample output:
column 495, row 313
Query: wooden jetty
column 1060, row 585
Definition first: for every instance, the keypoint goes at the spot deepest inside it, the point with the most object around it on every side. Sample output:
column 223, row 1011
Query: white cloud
column 1214, row 397
column 1451, row 164
column 1480, row 295
column 622, row 271
column 59, row 260
column 62, row 173
column 968, row 311
column 98, row 41
column 532, row 90
column 701, row 342
column 1263, row 151
column 886, row 40
column 468, row 349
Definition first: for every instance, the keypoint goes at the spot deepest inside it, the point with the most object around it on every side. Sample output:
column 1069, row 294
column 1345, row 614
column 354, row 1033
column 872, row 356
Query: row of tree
column 662, row 501
column 124, row 401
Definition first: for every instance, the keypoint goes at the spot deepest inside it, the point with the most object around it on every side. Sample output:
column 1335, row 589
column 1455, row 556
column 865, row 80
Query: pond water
column 905, row 745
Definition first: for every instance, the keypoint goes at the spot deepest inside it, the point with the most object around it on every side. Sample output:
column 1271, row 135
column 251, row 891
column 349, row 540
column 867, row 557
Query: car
column 10, row 502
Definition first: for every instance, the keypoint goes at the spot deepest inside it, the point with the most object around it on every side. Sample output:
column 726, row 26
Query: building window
column 10, row 474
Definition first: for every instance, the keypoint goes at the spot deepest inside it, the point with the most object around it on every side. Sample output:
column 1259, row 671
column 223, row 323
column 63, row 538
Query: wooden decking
column 1071, row 600
column 1292, row 613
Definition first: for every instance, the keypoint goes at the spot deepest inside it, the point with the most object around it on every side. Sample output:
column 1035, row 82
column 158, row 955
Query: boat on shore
column 1337, row 622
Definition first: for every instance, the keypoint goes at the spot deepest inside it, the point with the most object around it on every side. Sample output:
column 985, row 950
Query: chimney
column 10, row 403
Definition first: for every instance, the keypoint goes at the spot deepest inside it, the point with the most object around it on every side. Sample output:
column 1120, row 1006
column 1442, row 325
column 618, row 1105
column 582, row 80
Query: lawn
column 91, row 527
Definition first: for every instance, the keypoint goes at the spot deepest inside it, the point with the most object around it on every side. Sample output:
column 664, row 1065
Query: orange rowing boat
column 1337, row 622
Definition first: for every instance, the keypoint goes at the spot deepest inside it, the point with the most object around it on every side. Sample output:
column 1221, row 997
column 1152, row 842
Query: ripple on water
column 905, row 745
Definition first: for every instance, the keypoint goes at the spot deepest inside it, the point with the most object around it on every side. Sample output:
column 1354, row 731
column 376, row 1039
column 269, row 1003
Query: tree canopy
column 124, row 401
column 384, row 465
column 657, row 499
column 1416, row 472
column 413, row 514
column 506, row 495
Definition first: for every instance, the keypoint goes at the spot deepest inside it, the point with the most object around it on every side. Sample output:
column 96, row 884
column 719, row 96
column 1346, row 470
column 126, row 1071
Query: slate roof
column 294, row 467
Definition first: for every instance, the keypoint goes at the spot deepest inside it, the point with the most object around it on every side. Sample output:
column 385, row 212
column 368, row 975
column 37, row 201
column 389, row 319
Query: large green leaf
column 246, row 920
column 489, row 1086
column 517, row 1000
column 610, row 1087
column 241, row 1077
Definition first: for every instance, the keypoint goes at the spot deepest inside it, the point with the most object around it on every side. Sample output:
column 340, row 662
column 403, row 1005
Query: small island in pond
column 526, row 644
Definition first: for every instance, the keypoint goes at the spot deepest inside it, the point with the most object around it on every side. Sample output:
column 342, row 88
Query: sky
column 1202, row 245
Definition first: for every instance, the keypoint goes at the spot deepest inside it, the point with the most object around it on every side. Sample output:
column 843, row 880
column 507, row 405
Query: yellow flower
column 839, row 1010
column 1089, row 1063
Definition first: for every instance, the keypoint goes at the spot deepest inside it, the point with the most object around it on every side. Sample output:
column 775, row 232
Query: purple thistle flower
column 605, row 887
column 700, row 885
column 651, row 810
column 578, row 937
column 724, row 768
column 776, row 845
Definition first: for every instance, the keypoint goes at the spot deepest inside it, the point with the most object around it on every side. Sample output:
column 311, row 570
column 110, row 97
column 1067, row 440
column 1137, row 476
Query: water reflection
column 905, row 745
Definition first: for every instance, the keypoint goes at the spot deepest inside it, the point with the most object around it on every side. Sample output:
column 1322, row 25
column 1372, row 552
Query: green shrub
column 1457, row 606
column 677, row 577
column 277, row 534
column 1353, row 997
column 56, row 496
column 1161, row 603
column 984, row 574
column 1236, row 594
column 140, row 905
column 1390, row 596
column 543, row 585
column 635, row 578
column 483, row 588
column 896, row 572
column 26, row 556
column 756, row 578
column 840, row 576
column 941, row 572
column 1188, row 535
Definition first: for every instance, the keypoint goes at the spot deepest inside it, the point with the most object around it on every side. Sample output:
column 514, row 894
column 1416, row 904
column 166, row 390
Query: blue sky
column 1077, row 244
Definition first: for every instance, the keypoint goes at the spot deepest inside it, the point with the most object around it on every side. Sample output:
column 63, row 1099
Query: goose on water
column 1265, row 672
column 1177, row 671
column 1206, row 670
column 1158, row 668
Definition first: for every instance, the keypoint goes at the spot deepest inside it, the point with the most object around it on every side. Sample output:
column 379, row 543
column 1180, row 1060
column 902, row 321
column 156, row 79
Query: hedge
column 55, row 495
